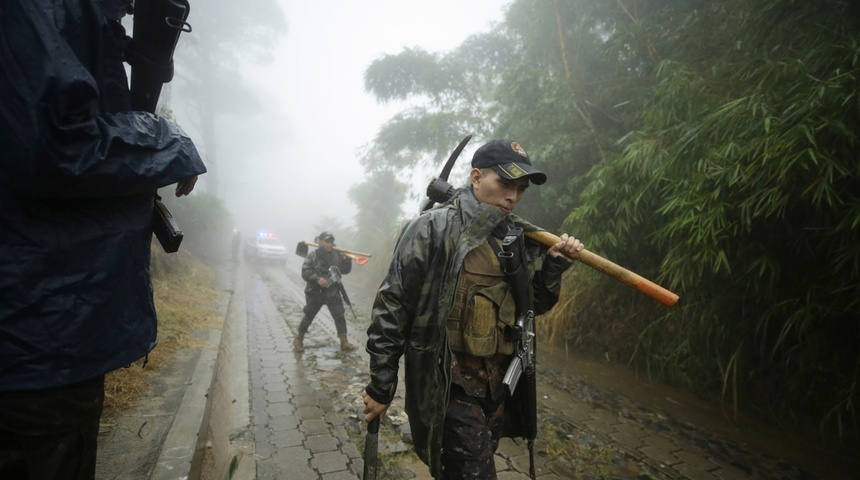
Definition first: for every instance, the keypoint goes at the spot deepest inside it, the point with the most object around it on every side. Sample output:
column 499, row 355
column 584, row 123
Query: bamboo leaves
column 713, row 146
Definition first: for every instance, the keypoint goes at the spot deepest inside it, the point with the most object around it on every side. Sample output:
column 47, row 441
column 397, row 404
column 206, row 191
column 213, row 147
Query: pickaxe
column 439, row 191
column 359, row 257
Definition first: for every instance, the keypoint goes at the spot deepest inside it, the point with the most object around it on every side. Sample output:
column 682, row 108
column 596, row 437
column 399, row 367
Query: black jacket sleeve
column 547, row 283
column 66, row 129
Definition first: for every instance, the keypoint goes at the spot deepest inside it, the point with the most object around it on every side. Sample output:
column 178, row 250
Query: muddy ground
column 132, row 439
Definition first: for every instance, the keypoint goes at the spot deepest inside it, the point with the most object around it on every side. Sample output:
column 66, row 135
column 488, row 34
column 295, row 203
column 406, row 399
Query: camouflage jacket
column 316, row 266
column 409, row 312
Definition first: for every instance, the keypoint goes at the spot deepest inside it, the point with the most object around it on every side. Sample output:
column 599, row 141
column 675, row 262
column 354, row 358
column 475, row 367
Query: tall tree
column 710, row 145
column 453, row 96
column 208, row 65
column 379, row 201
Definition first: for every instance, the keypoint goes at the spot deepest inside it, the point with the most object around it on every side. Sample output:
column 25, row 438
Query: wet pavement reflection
column 595, row 420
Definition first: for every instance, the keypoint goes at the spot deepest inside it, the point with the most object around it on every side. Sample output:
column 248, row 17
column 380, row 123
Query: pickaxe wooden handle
column 359, row 257
column 615, row 271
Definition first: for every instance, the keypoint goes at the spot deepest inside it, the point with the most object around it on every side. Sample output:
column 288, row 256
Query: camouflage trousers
column 470, row 437
column 314, row 303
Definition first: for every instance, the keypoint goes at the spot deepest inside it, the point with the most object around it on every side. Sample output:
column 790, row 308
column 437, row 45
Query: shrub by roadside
column 186, row 304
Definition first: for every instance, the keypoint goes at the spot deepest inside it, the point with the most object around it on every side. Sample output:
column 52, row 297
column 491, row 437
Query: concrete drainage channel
column 210, row 437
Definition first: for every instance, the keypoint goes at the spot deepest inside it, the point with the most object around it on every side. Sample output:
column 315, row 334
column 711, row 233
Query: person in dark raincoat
column 78, row 175
column 443, row 306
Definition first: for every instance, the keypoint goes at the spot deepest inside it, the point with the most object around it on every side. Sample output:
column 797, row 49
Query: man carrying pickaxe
column 317, row 272
column 465, row 283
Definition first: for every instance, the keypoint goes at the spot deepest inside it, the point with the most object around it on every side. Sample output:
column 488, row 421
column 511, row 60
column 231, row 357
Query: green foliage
column 711, row 146
column 379, row 221
column 743, row 176
column 452, row 96
column 412, row 72
column 208, row 67
column 205, row 223
column 332, row 224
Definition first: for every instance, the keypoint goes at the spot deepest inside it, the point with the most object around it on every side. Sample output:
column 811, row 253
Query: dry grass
column 562, row 326
column 186, row 303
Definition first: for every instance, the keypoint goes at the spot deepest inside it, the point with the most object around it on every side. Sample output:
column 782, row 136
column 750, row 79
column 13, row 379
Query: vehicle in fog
column 265, row 247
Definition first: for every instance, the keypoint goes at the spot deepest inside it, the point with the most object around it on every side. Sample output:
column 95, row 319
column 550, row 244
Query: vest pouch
column 479, row 334
column 485, row 312
column 482, row 300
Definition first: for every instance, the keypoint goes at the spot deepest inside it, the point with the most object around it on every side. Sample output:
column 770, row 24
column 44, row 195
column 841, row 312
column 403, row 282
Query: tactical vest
column 482, row 306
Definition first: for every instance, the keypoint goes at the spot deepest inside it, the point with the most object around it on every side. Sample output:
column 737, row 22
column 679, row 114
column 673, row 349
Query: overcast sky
column 317, row 114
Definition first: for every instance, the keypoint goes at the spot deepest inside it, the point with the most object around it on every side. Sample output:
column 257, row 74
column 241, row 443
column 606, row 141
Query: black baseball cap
column 327, row 236
column 509, row 159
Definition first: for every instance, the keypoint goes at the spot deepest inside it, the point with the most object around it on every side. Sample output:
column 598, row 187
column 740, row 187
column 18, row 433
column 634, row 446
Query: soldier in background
column 316, row 272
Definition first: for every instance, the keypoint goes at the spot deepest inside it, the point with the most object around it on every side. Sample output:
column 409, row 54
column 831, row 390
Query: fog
column 287, row 167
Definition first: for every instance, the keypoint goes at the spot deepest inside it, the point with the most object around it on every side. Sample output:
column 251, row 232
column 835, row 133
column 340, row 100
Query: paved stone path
column 297, row 434
column 297, row 416
column 305, row 413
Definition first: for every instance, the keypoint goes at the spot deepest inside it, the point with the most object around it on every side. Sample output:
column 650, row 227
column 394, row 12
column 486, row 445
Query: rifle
column 157, row 25
column 335, row 279
column 522, row 333
column 165, row 228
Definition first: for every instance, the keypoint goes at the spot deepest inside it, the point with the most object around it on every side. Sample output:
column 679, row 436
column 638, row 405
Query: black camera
column 165, row 228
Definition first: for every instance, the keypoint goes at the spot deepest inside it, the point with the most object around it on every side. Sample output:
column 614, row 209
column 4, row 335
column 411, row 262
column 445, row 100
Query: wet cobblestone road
column 305, row 414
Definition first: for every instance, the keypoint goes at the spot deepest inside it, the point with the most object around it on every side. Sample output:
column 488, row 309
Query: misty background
column 291, row 111
column 710, row 146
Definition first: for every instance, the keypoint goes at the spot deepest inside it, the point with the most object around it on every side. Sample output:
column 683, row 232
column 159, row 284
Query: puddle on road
column 328, row 362
column 684, row 407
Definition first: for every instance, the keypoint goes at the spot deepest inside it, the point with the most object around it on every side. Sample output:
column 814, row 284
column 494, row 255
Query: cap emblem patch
column 520, row 150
